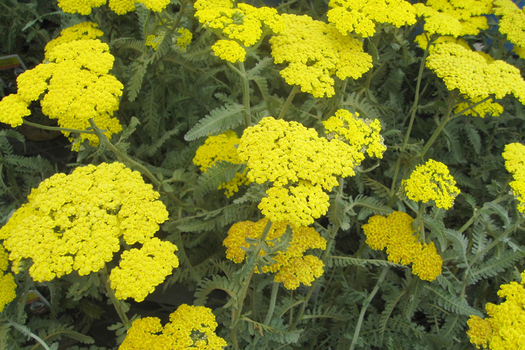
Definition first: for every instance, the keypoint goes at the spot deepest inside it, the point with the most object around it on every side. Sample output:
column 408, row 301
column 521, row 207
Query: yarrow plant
column 311, row 175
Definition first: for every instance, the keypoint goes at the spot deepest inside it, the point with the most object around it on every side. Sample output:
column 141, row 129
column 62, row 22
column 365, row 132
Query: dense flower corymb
column 221, row 147
column 73, row 86
column 292, row 267
column 315, row 51
column 505, row 327
column 120, row 7
column 514, row 155
column 361, row 16
column 75, row 222
column 396, row 234
column 190, row 327
column 7, row 281
column 432, row 182
column 299, row 164
column 511, row 23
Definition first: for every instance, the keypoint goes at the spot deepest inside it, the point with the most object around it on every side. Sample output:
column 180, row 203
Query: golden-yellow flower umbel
column 292, row 267
column 75, row 222
column 190, row 327
column 120, row 7
column 511, row 23
column 396, row 234
column 314, row 52
column 7, row 281
column 432, row 182
column 514, row 155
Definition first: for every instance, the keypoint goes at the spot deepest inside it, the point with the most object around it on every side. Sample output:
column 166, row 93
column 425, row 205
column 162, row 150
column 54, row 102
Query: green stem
column 273, row 298
column 126, row 159
column 246, row 95
column 365, row 306
column 411, row 122
column 236, row 311
column 116, row 303
column 370, row 74
column 288, row 102
column 57, row 128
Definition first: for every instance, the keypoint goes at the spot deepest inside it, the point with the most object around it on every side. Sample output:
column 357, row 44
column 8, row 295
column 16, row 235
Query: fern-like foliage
column 451, row 302
column 219, row 120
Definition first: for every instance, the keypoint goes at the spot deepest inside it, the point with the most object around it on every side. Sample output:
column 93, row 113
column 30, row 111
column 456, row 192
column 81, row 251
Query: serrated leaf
column 344, row 261
column 220, row 172
column 452, row 303
column 219, row 120
column 474, row 138
column 459, row 243
column 498, row 209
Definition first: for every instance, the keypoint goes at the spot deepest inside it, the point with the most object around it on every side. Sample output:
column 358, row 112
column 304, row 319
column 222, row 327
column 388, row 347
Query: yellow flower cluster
column 453, row 17
column 120, row 7
column 511, row 23
column 244, row 25
column 73, row 86
column 485, row 108
column 7, row 281
column 292, row 267
column 184, row 38
column 81, row 31
column 361, row 16
column 474, row 75
column 432, row 182
column 315, row 51
column 514, row 155
column 505, row 327
column 141, row 270
column 190, row 327
column 229, row 50
column 154, row 40
column 300, row 165
column 360, row 134
column 222, row 147
column 75, row 222
column 395, row 233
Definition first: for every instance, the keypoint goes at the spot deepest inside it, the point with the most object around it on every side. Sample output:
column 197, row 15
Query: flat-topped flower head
column 511, row 23
column 479, row 331
column 514, row 155
column 189, row 327
column 229, row 50
column 486, row 108
column 473, row 74
column 120, row 7
column 292, row 267
column 432, row 182
column 362, row 16
column 396, row 234
column 75, row 222
column 81, row 31
column 7, row 280
column 222, row 147
column 362, row 134
column 454, row 17
column 315, row 51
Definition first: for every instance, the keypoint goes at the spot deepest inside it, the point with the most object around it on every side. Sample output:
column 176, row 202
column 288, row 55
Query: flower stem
column 246, row 95
column 288, row 102
column 57, row 128
column 236, row 311
column 365, row 306
column 116, row 303
column 126, row 159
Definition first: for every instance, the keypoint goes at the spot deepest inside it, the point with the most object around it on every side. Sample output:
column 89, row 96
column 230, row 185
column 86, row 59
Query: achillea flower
column 154, row 41
column 81, row 31
column 184, row 38
column 7, row 281
column 315, row 51
column 190, row 327
column 141, row 270
column 217, row 148
column 120, row 7
column 361, row 134
column 474, row 75
column 299, row 164
column 504, row 328
column 514, row 155
column 396, row 234
column 361, row 16
column 456, row 18
column 291, row 266
column 73, row 86
column 75, row 222
column 480, row 331
column 483, row 109
column 229, row 50
column 511, row 23
column 432, row 182
column 245, row 24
